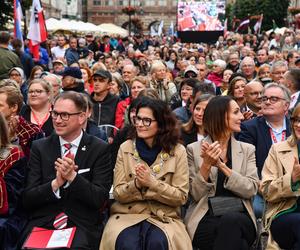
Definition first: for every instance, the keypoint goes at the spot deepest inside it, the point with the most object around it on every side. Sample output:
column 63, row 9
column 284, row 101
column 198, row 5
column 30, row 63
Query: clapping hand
column 66, row 167
column 296, row 171
column 210, row 153
column 144, row 178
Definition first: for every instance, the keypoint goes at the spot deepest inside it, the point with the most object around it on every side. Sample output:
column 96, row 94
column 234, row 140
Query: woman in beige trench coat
column 221, row 167
column 280, row 187
column 150, row 185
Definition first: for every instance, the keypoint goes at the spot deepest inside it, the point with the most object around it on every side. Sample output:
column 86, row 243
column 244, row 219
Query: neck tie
column 60, row 221
column 67, row 152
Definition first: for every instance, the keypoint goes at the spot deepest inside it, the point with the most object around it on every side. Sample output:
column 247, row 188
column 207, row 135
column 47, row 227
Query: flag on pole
column 18, row 16
column 171, row 29
column 160, row 28
column 243, row 25
column 257, row 26
column 225, row 28
column 37, row 28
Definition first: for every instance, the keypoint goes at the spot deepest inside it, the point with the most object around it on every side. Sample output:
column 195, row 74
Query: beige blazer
column 276, row 182
column 160, row 204
column 243, row 181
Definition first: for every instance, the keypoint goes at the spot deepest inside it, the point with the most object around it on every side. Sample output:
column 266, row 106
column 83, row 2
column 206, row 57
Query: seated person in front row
column 69, row 174
column 223, row 179
column 280, row 188
column 150, row 185
column 12, row 177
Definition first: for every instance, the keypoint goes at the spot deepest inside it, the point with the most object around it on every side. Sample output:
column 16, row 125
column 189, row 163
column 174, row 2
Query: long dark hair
column 4, row 137
column 168, row 133
column 214, row 118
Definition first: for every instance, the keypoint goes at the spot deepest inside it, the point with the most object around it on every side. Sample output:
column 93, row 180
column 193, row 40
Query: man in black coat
column 69, row 172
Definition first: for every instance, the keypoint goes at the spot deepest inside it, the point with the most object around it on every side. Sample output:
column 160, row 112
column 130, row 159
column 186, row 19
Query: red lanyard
column 40, row 124
column 274, row 137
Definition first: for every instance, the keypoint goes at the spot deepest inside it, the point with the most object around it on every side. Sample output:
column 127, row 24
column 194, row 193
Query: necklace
column 156, row 169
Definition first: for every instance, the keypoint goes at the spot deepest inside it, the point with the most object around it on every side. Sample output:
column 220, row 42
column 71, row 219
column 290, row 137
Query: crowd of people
column 149, row 143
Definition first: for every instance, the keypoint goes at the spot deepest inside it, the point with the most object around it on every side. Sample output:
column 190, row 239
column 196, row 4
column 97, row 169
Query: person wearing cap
column 59, row 51
column 72, row 54
column 105, row 46
column 72, row 80
column 8, row 58
column 82, row 48
column 58, row 66
column 105, row 103
column 17, row 74
column 191, row 72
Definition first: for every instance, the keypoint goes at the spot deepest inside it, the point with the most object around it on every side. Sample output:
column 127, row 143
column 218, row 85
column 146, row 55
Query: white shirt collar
column 75, row 142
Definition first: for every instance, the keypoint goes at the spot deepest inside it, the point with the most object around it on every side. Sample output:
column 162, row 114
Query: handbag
column 221, row 205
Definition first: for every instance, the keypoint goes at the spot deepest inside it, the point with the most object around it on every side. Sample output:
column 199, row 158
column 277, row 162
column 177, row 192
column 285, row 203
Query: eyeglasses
column 63, row 115
column 36, row 92
column 279, row 73
column 272, row 99
column 145, row 121
column 295, row 120
column 16, row 74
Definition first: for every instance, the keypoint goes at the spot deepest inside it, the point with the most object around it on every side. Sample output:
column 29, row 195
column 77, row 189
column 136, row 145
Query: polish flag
column 37, row 29
column 18, row 16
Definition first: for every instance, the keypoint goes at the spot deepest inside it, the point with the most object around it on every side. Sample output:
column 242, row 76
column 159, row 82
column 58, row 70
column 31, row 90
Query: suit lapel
column 236, row 155
column 265, row 133
column 286, row 157
column 82, row 151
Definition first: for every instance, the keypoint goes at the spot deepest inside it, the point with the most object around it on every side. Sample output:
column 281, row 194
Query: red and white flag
column 257, row 26
column 244, row 24
column 37, row 29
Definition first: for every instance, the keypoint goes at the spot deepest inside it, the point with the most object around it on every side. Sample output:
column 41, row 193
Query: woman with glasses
column 223, row 180
column 150, row 185
column 39, row 105
column 280, row 188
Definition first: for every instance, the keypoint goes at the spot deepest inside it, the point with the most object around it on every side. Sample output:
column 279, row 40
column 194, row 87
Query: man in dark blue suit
column 69, row 174
column 271, row 127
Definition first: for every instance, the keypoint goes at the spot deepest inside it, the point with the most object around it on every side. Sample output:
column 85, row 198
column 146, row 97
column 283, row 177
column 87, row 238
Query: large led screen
column 200, row 15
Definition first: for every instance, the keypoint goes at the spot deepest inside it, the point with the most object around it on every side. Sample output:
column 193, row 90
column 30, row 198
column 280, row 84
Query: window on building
column 109, row 2
column 123, row 2
column 97, row 2
column 150, row 2
column 163, row 2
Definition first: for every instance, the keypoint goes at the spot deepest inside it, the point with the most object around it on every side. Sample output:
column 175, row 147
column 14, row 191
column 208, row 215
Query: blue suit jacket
column 256, row 132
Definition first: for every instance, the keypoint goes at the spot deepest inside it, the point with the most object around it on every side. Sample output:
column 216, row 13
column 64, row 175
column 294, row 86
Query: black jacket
column 104, row 111
column 85, row 196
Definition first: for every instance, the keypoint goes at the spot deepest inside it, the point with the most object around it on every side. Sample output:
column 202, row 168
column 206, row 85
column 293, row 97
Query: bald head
column 253, row 92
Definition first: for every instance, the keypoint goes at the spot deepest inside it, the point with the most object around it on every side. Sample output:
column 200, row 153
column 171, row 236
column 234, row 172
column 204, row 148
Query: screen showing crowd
column 200, row 15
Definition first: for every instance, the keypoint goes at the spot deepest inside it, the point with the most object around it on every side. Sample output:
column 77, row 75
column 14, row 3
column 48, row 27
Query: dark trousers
column 234, row 231
column 142, row 236
column 286, row 231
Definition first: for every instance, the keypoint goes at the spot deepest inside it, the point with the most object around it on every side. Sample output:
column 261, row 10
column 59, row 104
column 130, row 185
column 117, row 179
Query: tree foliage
column 7, row 11
column 271, row 9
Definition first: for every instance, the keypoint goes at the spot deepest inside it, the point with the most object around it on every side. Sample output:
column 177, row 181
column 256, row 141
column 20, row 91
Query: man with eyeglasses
column 69, row 176
column 248, row 68
column 272, row 127
column 252, row 93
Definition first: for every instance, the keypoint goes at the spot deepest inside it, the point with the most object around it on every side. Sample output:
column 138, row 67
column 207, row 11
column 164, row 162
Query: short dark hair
column 214, row 118
column 77, row 98
column 4, row 37
column 294, row 75
column 204, row 88
column 168, row 134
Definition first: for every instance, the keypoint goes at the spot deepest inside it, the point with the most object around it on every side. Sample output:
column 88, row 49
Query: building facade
column 147, row 12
